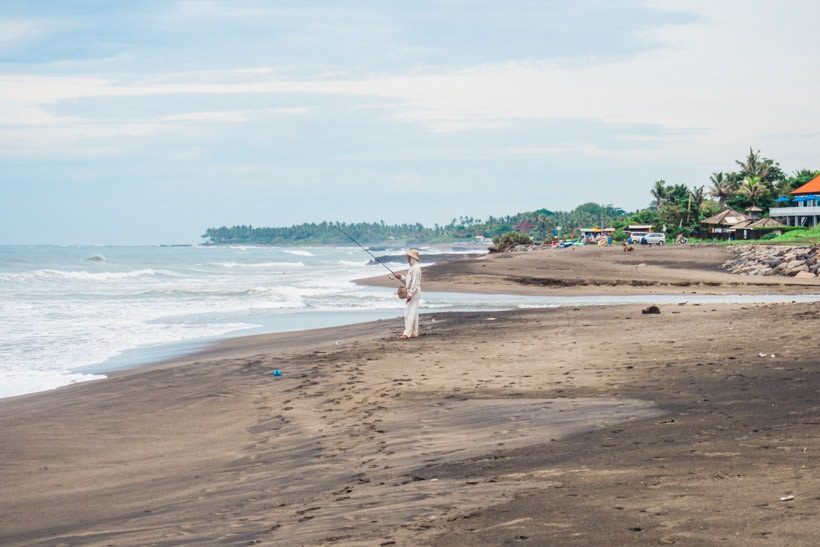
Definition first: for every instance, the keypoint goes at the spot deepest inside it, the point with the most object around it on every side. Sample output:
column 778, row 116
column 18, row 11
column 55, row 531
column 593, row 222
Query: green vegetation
column 539, row 224
column 758, row 182
column 674, row 209
column 506, row 242
column 797, row 235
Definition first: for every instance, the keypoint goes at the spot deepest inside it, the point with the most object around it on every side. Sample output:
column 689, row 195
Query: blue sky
column 146, row 122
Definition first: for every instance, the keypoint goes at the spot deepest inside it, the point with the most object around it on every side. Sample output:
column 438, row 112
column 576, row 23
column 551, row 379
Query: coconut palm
column 752, row 188
column 754, row 166
column 659, row 192
column 696, row 197
column 721, row 188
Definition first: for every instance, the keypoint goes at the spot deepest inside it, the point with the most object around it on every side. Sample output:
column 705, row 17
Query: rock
column 774, row 260
column 652, row 309
column 805, row 275
column 793, row 269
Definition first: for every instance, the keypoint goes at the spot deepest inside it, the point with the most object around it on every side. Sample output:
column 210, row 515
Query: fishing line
column 371, row 254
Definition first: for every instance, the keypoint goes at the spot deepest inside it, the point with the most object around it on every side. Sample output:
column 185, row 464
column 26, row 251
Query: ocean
column 72, row 314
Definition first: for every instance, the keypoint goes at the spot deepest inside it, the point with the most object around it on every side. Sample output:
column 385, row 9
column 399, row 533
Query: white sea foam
column 261, row 265
column 80, row 275
column 21, row 382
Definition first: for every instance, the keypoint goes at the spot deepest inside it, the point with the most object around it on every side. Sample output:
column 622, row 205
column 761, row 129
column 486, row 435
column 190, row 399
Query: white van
column 636, row 237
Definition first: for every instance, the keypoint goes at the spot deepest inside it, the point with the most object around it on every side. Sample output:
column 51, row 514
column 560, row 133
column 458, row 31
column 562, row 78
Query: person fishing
column 411, row 306
column 410, row 289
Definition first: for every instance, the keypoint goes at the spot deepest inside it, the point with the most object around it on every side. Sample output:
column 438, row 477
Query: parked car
column 653, row 239
column 635, row 237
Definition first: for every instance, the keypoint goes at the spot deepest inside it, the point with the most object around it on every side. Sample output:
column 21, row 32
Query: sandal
column 403, row 337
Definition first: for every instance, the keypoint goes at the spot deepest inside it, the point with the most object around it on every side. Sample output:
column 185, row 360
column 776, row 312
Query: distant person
column 411, row 306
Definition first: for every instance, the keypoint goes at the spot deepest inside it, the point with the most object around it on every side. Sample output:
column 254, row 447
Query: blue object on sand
column 277, row 372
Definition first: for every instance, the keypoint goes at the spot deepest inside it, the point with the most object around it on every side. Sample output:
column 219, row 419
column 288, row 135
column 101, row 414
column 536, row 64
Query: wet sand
column 561, row 426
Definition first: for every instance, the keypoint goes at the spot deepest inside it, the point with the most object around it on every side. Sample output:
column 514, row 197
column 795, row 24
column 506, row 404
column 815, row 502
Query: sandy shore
column 562, row 426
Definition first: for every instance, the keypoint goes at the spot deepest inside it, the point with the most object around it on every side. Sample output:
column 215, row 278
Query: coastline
column 579, row 426
column 593, row 270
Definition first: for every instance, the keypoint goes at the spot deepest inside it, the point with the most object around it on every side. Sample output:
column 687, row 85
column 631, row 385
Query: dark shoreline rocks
column 788, row 260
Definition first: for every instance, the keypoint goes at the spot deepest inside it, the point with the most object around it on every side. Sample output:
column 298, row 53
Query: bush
column 620, row 235
column 508, row 241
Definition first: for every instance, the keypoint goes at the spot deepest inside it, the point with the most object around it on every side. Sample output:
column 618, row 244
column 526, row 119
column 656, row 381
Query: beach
column 588, row 425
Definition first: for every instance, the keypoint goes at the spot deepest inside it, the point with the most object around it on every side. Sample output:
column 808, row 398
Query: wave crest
column 81, row 275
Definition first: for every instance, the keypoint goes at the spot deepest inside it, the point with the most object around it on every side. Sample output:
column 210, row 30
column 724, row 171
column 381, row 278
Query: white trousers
column 411, row 315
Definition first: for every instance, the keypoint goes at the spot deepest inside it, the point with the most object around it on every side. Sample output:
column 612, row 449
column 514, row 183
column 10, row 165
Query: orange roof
column 811, row 187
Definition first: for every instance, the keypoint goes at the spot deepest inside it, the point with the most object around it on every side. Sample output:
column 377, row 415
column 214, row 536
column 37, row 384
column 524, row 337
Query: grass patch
column 799, row 236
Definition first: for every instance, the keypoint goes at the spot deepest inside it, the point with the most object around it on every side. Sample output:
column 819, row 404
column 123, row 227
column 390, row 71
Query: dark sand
column 567, row 426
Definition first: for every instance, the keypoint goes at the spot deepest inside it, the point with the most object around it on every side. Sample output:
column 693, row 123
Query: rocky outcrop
column 803, row 262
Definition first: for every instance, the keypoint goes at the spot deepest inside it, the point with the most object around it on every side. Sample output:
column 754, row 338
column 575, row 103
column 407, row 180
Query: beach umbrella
column 782, row 199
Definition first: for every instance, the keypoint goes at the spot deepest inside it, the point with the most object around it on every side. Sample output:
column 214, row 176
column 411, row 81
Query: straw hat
column 414, row 254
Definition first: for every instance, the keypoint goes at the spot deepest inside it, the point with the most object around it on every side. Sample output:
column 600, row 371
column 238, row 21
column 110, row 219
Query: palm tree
column 543, row 224
column 754, row 166
column 721, row 188
column 659, row 192
column 696, row 197
column 752, row 188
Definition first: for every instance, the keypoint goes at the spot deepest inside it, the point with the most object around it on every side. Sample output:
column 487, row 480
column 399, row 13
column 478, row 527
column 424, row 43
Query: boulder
column 774, row 260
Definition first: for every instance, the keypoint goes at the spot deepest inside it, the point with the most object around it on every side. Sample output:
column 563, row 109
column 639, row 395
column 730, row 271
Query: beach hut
column 721, row 225
column 767, row 222
column 755, row 228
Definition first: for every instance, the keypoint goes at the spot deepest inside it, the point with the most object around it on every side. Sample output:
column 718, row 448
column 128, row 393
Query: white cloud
column 234, row 116
column 34, row 89
column 743, row 73
column 14, row 31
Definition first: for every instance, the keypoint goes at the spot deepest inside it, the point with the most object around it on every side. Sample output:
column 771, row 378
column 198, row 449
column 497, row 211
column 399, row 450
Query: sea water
column 71, row 314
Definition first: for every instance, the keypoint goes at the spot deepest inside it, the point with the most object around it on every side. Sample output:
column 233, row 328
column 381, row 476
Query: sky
column 146, row 122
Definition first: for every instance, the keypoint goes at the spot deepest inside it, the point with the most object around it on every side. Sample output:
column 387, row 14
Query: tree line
column 758, row 182
column 539, row 224
column 674, row 208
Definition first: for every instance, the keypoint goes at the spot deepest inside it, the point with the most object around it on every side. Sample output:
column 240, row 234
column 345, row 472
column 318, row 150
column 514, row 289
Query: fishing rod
column 371, row 254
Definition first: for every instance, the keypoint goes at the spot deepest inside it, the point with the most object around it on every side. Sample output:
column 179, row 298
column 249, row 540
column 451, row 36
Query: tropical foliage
column 678, row 209
column 506, row 242
column 539, row 225
column 674, row 209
